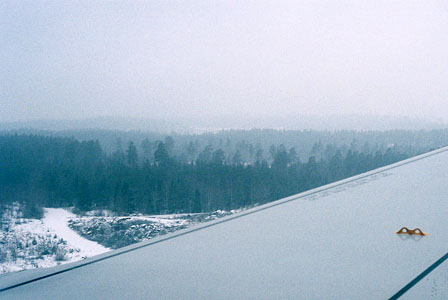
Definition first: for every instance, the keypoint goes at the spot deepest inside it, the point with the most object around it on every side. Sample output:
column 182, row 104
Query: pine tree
column 161, row 156
column 132, row 155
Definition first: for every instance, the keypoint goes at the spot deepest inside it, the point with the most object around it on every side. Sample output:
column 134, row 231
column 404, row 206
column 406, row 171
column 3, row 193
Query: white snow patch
column 30, row 243
column 56, row 220
column 164, row 221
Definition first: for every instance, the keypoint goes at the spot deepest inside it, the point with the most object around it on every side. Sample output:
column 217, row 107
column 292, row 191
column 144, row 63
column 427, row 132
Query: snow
column 24, row 243
column 56, row 220
column 31, row 243
column 164, row 221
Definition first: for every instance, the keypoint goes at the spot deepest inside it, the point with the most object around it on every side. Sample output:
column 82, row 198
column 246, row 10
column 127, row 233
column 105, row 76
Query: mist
column 206, row 60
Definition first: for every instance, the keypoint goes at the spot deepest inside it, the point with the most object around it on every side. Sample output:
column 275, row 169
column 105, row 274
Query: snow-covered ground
column 56, row 220
column 29, row 243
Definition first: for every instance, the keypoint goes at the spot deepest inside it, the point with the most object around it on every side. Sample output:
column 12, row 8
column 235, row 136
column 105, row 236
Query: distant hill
column 210, row 123
column 104, row 123
column 329, row 122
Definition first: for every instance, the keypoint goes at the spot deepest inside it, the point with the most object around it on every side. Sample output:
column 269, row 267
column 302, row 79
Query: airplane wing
column 334, row 242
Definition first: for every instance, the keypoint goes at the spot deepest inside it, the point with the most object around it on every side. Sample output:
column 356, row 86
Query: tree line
column 59, row 171
column 256, row 144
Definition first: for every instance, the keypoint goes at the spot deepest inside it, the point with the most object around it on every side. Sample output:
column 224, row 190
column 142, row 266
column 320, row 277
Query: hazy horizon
column 201, row 60
column 217, row 123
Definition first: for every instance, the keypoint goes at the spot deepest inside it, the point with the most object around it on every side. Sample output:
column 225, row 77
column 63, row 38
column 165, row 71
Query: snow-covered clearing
column 56, row 219
column 29, row 243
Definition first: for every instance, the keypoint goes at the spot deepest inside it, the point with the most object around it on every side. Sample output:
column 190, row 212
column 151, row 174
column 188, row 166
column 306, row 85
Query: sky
column 194, row 59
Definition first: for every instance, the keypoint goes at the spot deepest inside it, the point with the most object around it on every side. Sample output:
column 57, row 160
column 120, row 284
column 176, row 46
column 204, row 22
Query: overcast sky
column 73, row 59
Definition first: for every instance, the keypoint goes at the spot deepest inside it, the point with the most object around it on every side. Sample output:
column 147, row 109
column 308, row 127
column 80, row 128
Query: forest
column 55, row 171
column 249, row 143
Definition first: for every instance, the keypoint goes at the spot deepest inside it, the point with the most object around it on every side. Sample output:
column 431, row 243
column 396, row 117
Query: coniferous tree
column 218, row 157
column 132, row 155
column 161, row 156
column 84, row 196
column 206, row 155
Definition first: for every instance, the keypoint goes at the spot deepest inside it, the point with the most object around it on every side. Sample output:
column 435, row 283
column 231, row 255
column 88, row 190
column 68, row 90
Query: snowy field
column 63, row 237
column 56, row 220
column 29, row 243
